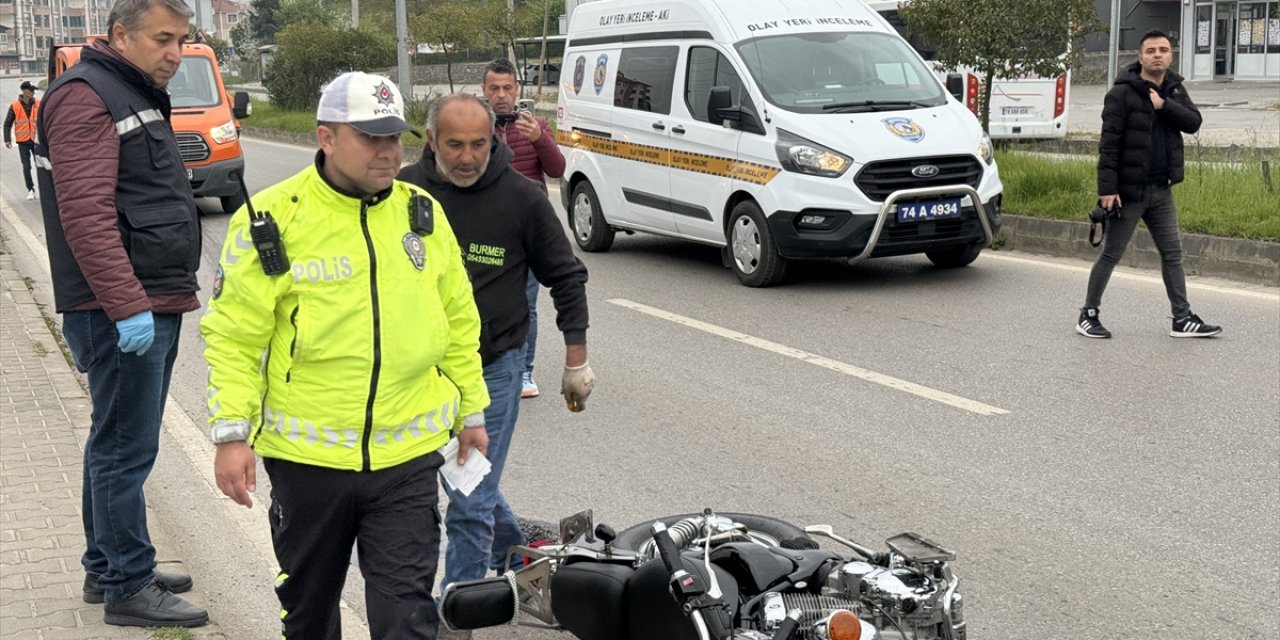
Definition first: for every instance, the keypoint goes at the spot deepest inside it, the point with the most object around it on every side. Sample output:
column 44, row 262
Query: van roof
column 719, row 20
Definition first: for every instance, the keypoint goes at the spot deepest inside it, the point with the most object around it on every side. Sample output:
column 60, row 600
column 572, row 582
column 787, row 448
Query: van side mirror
column 240, row 106
column 955, row 86
column 743, row 117
column 718, row 103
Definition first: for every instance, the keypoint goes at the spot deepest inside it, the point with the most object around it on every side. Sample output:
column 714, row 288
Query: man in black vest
column 124, row 247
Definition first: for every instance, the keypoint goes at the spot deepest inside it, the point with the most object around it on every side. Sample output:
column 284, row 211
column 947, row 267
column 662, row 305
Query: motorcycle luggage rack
column 914, row 547
column 533, row 583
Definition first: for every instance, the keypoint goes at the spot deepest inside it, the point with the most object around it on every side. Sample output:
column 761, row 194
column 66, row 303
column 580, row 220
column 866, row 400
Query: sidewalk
column 44, row 417
column 1244, row 113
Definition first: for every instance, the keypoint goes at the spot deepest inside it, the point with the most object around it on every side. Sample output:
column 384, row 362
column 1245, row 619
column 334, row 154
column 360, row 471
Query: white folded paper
column 463, row 478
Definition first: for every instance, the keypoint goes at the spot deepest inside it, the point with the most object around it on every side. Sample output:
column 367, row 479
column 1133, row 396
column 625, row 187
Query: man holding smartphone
column 534, row 154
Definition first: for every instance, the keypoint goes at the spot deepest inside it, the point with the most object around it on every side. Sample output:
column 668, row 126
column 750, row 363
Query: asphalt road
column 1123, row 489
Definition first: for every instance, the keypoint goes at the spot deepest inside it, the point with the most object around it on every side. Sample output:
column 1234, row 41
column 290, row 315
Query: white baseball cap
column 369, row 103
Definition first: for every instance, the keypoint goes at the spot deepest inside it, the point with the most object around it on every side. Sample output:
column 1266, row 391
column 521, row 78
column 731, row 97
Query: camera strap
column 1094, row 227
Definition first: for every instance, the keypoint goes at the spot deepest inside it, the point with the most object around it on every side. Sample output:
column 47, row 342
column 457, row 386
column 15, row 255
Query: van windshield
column 193, row 85
column 840, row 72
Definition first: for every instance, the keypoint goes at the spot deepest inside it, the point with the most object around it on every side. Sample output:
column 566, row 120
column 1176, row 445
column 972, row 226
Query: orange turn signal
column 844, row 625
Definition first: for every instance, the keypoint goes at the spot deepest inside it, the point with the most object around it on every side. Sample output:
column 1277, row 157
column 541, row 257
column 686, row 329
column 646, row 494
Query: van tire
column 954, row 257
column 231, row 203
column 753, row 254
column 590, row 230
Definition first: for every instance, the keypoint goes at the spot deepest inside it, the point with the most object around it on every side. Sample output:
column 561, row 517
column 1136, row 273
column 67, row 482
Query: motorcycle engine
column 903, row 601
column 813, row 608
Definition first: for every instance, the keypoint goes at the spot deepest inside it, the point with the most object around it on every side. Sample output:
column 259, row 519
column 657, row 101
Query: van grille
column 879, row 179
column 192, row 147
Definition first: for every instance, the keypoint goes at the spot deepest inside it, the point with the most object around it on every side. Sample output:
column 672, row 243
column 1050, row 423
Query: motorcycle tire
column 634, row 538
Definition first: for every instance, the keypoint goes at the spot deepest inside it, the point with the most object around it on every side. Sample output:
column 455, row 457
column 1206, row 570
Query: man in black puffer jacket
column 1140, row 158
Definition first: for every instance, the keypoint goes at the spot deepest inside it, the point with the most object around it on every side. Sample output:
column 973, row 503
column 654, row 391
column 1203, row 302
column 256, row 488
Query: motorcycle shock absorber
column 684, row 532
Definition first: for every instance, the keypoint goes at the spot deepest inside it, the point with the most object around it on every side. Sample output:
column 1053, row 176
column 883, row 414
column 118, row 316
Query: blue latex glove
column 137, row 332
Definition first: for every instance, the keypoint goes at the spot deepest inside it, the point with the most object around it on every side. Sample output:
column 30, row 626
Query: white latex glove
column 576, row 385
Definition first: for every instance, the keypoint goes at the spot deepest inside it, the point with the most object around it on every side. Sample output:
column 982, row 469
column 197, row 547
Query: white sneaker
column 31, row 195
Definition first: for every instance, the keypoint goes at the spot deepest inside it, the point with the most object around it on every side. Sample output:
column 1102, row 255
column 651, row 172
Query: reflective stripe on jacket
column 24, row 122
column 363, row 356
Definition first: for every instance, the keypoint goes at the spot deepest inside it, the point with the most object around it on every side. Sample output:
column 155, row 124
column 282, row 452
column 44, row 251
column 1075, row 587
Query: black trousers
column 391, row 515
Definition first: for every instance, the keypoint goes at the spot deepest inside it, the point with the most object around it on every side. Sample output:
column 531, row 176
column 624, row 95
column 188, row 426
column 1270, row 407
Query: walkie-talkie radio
column 265, row 236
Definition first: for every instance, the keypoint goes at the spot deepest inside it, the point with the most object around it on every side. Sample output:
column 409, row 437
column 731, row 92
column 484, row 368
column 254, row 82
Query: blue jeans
column 531, row 341
column 25, row 149
column 128, row 393
column 481, row 526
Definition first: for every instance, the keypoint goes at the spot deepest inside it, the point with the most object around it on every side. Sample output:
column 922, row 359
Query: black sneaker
column 171, row 581
column 1193, row 327
column 1089, row 325
column 154, row 606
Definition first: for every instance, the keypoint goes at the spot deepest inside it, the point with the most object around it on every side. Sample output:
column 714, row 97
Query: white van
column 775, row 129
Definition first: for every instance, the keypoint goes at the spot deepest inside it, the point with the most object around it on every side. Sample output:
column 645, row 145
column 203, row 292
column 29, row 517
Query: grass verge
column 1229, row 200
column 266, row 116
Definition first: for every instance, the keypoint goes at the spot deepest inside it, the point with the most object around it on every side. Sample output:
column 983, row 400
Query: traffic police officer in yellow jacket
column 342, row 341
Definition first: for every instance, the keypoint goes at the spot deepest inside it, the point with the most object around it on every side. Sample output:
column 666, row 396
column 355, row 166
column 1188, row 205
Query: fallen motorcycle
column 709, row 576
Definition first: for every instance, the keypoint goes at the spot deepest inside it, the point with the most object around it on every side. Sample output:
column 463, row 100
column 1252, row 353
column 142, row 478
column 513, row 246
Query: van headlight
column 225, row 133
column 984, row 150
column 805, row 156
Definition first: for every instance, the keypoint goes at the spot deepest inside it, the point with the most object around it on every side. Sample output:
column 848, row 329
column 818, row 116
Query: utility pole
column 402, row 52
column 1113, row 46
column 546, row 17
column 511, row 44
column 355, row 14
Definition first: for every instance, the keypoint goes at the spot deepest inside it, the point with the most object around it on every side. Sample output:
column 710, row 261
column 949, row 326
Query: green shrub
column 1216, row 198
column 310, row 55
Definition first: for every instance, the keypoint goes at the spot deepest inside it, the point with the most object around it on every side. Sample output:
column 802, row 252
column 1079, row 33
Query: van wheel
column 753, row 255
column 954, row 257
column 590, row 230
column 232, row 203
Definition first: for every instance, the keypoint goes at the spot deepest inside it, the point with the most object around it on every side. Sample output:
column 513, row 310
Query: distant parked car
column 533, row 74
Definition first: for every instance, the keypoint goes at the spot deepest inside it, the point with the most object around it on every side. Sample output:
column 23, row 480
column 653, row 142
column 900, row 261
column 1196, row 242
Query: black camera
column 1099, row 214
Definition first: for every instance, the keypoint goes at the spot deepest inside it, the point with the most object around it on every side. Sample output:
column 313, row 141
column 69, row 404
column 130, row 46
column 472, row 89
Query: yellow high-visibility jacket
column 365, row 354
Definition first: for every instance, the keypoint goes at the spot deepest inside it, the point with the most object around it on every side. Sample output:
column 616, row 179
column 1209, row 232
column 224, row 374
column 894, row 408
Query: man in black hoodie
column 507, row 228
column 1140, row 157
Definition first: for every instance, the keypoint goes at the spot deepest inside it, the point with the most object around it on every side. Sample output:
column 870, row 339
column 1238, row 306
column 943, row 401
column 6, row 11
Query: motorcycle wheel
column 761, row 528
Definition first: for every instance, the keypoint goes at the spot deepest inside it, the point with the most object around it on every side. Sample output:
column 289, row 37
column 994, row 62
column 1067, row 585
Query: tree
column 310, row 55
column 262, row 21
column 295, row 11
column 1002, row 39
column 448, row 26
column 506, row 25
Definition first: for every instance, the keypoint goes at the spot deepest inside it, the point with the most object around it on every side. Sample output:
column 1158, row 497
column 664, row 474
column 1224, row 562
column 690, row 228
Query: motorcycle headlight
column 984, row 150
column 225, row 133
column 805, row 156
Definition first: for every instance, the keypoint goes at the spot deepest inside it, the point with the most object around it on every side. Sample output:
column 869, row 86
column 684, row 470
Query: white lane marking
column 1261, row 294
column 197, row 448
column 814, row 359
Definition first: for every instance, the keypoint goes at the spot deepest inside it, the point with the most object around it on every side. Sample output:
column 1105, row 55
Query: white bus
column 1028, row 108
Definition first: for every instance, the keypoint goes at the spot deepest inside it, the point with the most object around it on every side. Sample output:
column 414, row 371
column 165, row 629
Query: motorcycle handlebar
column 666, row 548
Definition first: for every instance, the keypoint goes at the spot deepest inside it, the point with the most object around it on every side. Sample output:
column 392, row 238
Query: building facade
column 28, row 28
column 1214, row 39
column 1231, row 40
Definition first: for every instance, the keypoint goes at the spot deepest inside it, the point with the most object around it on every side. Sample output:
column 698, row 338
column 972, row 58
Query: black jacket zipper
column 377, row 332
column 293, row 344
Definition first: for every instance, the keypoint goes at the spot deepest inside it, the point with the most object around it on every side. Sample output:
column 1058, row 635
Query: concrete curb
column 1252, row 261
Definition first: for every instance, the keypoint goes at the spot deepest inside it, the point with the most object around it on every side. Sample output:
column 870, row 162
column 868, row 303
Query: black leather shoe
column 154, row 606
column 171, row 581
